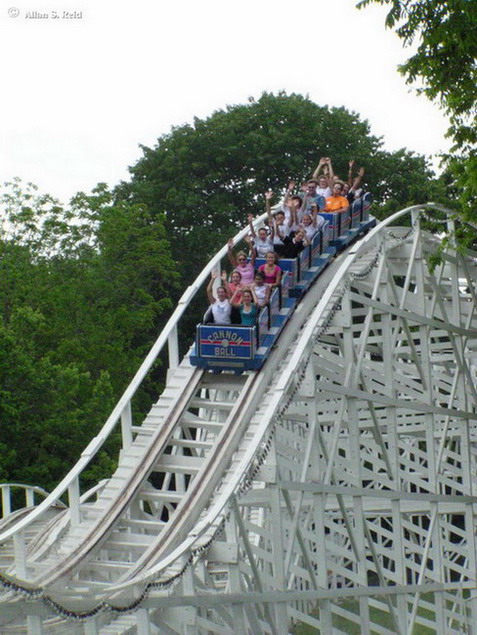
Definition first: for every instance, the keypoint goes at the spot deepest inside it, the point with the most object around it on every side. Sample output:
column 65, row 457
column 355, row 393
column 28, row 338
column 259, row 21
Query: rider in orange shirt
column 337, row 202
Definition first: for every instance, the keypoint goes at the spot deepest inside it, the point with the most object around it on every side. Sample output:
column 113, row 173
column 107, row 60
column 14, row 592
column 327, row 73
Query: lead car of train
column 240, row 348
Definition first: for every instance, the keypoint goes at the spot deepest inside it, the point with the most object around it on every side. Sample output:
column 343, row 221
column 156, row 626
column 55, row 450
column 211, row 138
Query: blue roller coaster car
column 240, row 348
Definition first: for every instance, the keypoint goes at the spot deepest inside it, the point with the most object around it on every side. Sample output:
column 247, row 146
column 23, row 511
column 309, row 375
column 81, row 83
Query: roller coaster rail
column 122, row 410
column 297, row 501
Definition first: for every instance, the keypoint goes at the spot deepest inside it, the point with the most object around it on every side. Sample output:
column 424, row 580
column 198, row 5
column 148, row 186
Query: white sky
column 80, row 95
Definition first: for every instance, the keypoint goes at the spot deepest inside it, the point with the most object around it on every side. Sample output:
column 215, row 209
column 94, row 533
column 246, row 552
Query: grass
column 376, row 616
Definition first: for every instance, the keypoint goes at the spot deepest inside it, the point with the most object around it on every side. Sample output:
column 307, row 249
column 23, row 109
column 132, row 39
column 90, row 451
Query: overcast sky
column 83, row 89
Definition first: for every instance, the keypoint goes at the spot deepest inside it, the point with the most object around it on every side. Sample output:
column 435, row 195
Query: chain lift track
column 333, row 488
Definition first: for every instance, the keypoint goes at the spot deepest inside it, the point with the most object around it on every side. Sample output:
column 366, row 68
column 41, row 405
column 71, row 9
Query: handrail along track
column 194, row 529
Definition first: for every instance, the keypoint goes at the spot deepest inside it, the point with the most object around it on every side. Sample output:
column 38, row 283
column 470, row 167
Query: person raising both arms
column 352, row 189
column 235, row 283
column 280, row 227
column 221, row 307
column 323, row 188
column 297, row 208
column 311, row 222
column 325, row 180
column 283, row 204
column 263, row 242
column 240, row 264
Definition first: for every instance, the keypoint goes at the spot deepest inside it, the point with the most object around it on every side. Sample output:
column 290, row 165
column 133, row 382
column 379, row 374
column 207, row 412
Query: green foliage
column 407, row 181
column 444, row 65
column 84, row 292
column 206, row 177
column 47, row 410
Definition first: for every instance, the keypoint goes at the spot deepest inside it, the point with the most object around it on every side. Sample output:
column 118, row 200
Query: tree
column 206, row 177
column 123, row 280
column 49, row 411
column 445, row 63
column 406, row 180
column 83, row 293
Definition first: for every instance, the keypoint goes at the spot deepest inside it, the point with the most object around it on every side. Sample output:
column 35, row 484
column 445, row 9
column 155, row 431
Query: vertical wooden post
column 90, row 627
column 142, row 621
column 173, row 348
column 74, row 502
column 20, row 553
column 34, row 625
column 6, row 502
column 126, row 425
column 30, row 497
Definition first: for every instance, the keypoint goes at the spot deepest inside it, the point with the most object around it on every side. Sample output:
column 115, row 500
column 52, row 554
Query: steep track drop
column 244, row 502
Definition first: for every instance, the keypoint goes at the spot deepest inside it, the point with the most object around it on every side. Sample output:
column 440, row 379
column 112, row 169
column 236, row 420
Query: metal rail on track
column 212, row 492
column 121, row 411
column 331, row 280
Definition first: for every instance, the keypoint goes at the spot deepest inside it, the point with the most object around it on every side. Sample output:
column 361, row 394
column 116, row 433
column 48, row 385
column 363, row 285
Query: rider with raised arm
column 283, row 204
column 234, row 284
column 280, row 227
column 240, row 264
column 352, row 189
column 263, row 242
column 221, row 307
column 325, row 180
column 311, row 222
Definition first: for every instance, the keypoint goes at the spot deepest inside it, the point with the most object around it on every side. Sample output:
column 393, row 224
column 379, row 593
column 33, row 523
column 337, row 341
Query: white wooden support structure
column 74, row 502
column 6, row 503
column 335, row 488
column 126, row 426
column 173, row 345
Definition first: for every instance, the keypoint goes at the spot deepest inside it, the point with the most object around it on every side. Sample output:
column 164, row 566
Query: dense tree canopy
column 445, row 65
column 85, row 290
column 83, row 293
column 206, row 177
